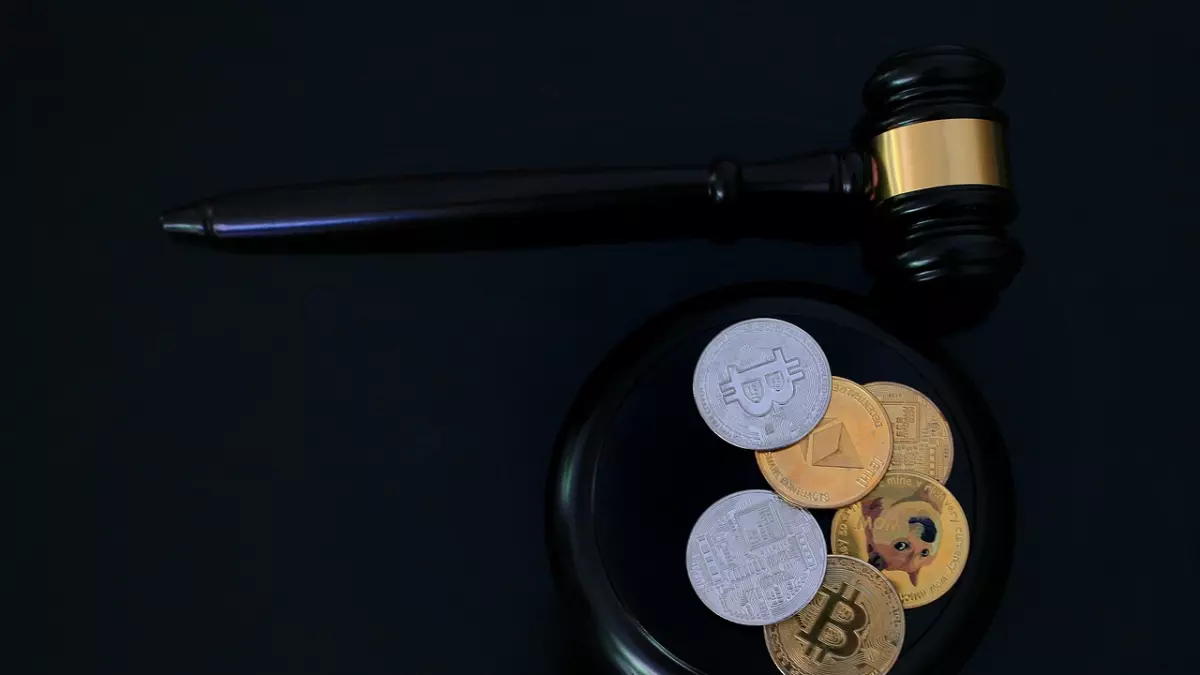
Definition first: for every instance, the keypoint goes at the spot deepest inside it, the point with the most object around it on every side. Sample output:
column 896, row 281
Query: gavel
column 925, row 188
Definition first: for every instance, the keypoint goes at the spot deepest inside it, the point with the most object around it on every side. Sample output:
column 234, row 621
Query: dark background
column 292, row 464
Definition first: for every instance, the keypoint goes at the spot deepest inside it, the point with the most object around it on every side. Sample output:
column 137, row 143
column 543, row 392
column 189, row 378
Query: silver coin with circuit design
column 754, row 559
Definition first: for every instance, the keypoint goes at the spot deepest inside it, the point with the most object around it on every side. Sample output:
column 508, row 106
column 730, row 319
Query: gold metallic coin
column 921, row 440
column 841, row 459
column 910, row 528
column 854, row 625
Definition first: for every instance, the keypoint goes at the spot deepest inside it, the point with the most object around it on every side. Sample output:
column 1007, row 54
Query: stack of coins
column 879, row 453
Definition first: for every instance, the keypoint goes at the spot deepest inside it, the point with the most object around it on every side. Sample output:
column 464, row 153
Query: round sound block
column 636, row 465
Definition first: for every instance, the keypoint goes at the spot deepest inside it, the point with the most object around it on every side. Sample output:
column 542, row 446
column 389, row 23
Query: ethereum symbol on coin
column 830, row 445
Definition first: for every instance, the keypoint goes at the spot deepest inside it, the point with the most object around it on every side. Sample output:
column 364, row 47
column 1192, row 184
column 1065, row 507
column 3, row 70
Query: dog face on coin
column 904, row 535
column 912, row 530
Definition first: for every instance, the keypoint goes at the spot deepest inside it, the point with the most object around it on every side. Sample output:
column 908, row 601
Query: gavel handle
column 414, row 203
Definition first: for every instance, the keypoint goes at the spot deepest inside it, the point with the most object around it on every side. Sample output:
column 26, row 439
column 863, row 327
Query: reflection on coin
column 754, row 559
column 762, row 384
column 854, row 625
column 921, row 440
column 839, row 461
column 910, row 528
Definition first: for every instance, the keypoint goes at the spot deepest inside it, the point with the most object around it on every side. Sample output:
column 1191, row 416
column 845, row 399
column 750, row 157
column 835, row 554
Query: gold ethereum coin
column 854, row 625
column 910, row 528
column 841, row 459
column 921, row 440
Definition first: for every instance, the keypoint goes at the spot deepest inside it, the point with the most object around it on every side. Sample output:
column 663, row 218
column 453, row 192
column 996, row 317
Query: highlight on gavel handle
column 418, row 202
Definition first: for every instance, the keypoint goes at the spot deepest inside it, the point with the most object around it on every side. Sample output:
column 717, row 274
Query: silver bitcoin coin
column 754, row 559
column 762, row 384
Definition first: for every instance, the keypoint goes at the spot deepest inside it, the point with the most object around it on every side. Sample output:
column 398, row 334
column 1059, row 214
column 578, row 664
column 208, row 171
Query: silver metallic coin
column 754, row 559
column 762, row 384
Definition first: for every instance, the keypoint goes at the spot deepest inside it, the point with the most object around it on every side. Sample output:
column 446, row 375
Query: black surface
column 635, row 465
column 265, row 464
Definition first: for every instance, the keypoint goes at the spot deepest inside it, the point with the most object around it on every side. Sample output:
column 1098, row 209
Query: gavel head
column 942, row 192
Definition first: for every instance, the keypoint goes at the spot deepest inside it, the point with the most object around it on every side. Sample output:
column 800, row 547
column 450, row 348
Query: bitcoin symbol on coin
column 762, row 384
column 747, row 389
column 817, row 648
column 857, row 617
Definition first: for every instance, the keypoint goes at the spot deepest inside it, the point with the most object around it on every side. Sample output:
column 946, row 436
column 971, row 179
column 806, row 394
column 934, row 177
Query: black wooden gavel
column 928, row 169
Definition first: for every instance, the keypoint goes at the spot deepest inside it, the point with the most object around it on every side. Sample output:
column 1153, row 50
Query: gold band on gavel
column 959, row 151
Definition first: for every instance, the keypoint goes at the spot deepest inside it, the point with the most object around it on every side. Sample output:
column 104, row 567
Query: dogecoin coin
column 841, row 459
column 910, row 528
column 854, row 625
column 754, row 559
column 921, row 438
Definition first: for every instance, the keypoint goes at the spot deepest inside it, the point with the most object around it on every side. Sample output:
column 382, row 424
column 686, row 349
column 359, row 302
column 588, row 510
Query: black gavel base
column 635, row 465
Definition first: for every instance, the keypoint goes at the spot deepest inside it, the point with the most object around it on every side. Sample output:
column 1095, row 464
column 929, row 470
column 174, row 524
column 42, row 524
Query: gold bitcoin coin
column 854, row 625
column 910, row 528
column 841, row 459
column 921, row 439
